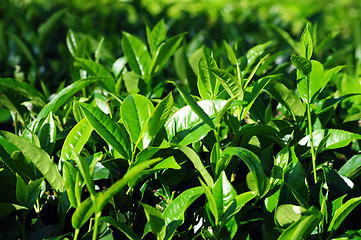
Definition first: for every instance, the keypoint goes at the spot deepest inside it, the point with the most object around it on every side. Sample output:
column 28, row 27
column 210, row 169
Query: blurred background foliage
column 33, row 33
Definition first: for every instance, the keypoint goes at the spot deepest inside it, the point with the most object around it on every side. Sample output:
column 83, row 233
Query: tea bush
column 168, row 120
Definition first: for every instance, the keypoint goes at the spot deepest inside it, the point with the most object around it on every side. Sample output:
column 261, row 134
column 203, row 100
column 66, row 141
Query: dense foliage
column 164, row 121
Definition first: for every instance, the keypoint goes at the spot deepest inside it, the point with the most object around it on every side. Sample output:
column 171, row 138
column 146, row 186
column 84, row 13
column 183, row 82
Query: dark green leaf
column 122, row 227
column 236, row 205
column 287, row 98
column 302, row 64
column 174, row 213
column 21, row 191
column 47, row 28
column 254, row 164
column 155, row 220
column 192, row 155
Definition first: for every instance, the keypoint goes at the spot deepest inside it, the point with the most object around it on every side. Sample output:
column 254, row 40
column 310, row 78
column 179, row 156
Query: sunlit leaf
column 40, row 159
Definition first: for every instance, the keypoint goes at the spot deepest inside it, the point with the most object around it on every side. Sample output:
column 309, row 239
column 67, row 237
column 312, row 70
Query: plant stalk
column 96, row 223
column 311, row 140
column 76, row 233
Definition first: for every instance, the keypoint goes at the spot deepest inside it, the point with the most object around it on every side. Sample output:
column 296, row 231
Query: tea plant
column 233, row 146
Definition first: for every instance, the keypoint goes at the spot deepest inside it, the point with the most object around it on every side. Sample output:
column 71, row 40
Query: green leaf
column 155, row 220
column 295, row 179
column 135, row 112
column 164, row 52
column 230, row 83
column 337, row 184
column 174, row 213
column 236, row 205
column 253, row 54
column 47, row 134
column 342, row 212
column 223, row 193
column 184, row 70
column 47, row 28
column 287, row 214
column 76, row 139
column 185, row 126
column 254, row 70
column 311, row 85
column 122, row 227
column 85, row 172
column 306, row 44
column 336, row 139
column 194, row 106
column 197, row 162
column 136, row 53
column 160, row 115
column 86, row 209
column 7, row 208
column 116, row 187
column 352, row 168
column 69, row 176
column 211, row 201
column 254, row 164
column 22, row 47
column 253, row 91
column 131, row 81
column 33, row 189
column 82, row 213
column 287, row 98
column 72, row 42
column 97, row 70
column 207, row 82
column 113, row 133
column 23, row 89
column 328, row 103
column 12, row 157
column 156, row 36
column 302, row 64
column 21, row 191
column 168, row 163
column 17, row 96
column 288, row 38
column 194, row 59
column 40, row 159
column 230, row 53
column 302, row 228
column 60, row 98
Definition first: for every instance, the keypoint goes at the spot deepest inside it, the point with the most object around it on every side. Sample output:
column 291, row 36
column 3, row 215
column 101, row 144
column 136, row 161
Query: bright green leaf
column 40, row 159
column 113, row 133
